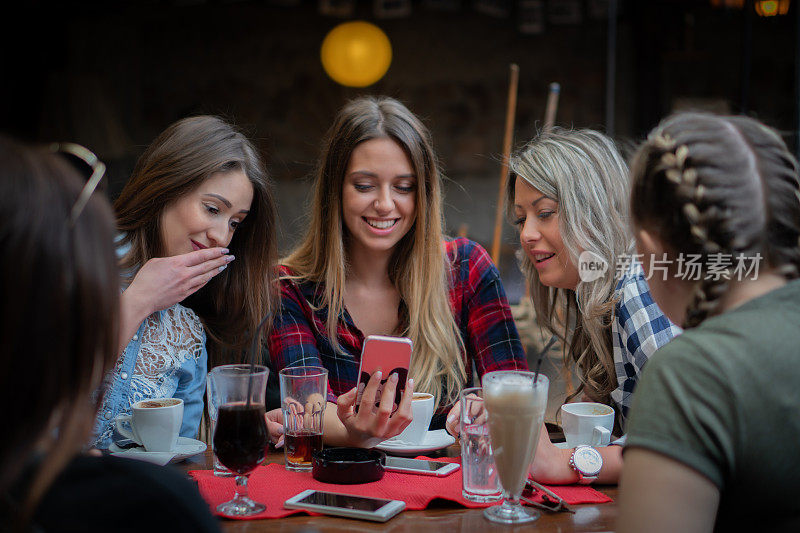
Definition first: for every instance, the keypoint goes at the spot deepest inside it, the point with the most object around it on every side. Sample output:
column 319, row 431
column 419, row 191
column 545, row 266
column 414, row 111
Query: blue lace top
column 165, row 358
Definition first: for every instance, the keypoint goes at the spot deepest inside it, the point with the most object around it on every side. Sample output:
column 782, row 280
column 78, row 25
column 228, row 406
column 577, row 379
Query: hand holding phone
column 369, row 427
column 389, row 355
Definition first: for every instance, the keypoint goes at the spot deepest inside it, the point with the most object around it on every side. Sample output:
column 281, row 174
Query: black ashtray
column 348, row 466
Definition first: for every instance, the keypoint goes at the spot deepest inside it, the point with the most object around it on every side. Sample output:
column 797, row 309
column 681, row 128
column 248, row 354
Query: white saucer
column 434, row 440
column 186, row 447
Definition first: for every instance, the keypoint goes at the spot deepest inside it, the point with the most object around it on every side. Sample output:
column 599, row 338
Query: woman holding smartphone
column 374, row 261
column 568, row 195
column 198, row 199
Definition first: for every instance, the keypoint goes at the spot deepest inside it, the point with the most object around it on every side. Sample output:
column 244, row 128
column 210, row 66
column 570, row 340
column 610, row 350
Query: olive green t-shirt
column 724, row 399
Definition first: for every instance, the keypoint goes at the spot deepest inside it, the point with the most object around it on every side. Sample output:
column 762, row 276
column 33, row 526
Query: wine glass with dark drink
column 240, row 435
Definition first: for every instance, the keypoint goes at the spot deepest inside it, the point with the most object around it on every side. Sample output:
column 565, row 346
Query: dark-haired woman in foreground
column 58, row 336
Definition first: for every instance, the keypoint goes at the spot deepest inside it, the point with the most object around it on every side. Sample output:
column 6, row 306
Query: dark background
column 112, row 75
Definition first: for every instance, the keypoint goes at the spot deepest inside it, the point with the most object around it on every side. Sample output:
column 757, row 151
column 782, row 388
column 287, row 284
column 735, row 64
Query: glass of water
column 480, row 481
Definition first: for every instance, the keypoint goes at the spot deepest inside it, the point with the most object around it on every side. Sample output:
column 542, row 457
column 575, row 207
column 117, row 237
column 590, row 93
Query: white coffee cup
column 587, row 423
column 154, row 424
column 422, row 411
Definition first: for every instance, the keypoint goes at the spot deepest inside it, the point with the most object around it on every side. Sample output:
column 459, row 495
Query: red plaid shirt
column 477, row 298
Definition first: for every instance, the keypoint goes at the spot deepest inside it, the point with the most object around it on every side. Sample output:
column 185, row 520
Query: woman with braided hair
column 714, row 423
column 568, row 194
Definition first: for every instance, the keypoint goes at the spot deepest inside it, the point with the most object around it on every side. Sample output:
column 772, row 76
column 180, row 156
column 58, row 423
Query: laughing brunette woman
column 198, row 198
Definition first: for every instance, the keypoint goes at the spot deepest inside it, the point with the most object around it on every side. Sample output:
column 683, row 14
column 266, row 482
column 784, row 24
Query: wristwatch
column 586, row 462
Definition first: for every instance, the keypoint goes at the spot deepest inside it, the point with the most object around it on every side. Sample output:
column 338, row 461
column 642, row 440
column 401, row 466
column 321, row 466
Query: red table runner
column 273, row 484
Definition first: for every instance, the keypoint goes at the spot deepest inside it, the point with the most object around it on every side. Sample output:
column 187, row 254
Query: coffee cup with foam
column 154, row 424
column 422, row 408
column 587, row 423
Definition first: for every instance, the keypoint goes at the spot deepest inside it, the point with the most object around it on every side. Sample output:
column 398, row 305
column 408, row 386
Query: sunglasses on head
column 88, row 165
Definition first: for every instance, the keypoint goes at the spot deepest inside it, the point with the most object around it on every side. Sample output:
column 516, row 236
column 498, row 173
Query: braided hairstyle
column 718, row 186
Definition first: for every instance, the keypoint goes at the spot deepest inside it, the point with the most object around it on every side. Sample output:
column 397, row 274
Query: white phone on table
column 376, row 509
column 420, row 466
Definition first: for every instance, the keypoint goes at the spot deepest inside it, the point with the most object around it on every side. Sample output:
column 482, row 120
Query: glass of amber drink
column 303, row 398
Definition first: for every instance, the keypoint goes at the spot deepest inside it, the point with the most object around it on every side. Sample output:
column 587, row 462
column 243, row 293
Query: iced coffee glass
column 515, row 402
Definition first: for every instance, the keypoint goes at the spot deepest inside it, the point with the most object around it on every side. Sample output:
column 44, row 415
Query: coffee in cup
column 587, row 423
column 422, row 412
column 163, row 402
column 154, row 423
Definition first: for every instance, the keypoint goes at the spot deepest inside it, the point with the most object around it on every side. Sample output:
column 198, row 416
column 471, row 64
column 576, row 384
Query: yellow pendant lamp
column 356, row 54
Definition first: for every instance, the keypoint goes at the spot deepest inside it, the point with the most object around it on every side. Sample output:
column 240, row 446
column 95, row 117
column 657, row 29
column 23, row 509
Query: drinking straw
column 253, row 357
column 550, row 343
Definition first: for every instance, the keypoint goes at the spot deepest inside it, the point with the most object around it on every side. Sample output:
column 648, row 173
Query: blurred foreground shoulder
column 114, row 494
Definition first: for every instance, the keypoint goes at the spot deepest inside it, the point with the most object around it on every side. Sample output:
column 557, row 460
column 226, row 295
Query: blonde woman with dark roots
column 374, row 261
column 568, row 196
column 198, row 256
column 714, row 423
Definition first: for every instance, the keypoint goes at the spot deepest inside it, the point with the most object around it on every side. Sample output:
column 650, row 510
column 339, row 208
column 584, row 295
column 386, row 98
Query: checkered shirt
column 638, row 329
column 477, row 298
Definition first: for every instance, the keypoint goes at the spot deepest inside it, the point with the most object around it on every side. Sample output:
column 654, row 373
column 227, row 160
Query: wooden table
column 445, row 518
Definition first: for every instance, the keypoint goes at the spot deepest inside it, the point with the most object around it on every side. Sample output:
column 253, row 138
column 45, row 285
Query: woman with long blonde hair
column 374, row 261
column 568, row 195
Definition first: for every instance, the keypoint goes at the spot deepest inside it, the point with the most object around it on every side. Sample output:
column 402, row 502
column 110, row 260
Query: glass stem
column 241, row 487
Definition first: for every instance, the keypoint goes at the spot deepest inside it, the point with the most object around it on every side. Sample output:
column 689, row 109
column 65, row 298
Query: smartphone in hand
column 389, row 355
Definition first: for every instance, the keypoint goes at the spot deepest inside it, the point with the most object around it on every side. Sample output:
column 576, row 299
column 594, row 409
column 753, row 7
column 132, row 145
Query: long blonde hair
column 584, row 173
column 418, row 267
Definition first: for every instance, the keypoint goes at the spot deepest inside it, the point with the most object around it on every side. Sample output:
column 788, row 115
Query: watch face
column 588, row 461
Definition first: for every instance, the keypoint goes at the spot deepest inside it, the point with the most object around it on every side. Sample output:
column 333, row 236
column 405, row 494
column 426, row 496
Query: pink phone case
column 389, row 355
